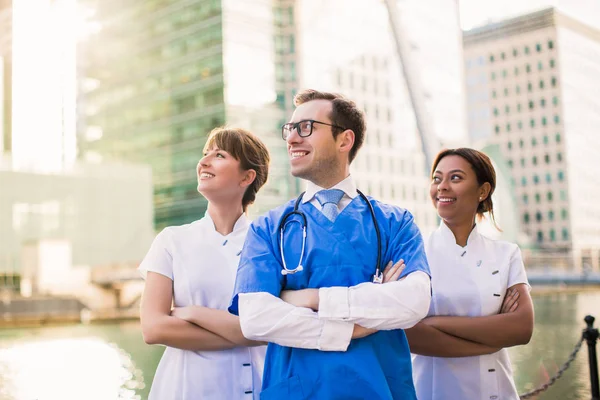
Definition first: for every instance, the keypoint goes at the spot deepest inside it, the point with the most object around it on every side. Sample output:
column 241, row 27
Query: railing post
column 590, row 334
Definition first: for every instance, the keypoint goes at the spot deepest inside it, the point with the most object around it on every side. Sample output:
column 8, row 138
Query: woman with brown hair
column 193, row 268
column 480, row 295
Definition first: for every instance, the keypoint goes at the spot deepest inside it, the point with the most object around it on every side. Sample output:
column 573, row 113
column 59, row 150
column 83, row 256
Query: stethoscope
column 377, row 277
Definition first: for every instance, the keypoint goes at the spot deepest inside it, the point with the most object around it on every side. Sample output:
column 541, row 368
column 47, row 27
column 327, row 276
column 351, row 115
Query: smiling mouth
column 446, row 200
column 297, row 154
column 206, row 175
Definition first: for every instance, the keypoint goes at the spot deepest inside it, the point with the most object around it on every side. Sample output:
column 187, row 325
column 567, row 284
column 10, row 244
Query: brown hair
column 484, row 171
column 249, row 150
column 344, row 113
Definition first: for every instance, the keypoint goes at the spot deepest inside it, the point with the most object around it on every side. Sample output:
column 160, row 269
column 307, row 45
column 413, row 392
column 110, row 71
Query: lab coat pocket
column 289, row 389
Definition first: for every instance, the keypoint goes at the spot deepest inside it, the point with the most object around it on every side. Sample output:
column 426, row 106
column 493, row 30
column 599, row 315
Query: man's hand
column 308, row 298
column 510, row 302
column 360, row 332
column 391, row 273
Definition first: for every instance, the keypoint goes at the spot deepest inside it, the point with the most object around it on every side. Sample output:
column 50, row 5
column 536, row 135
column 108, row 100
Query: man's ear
column 345, row 140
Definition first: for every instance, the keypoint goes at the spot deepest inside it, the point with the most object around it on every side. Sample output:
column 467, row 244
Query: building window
column 497, row 129
column 543, row 102
column 533, row 142
column 561, row 176
column 563, row 195
column 538, row 47
column 563, row 214
column 506, row 109
column 522, row 162
column 540, row 66
column 548, row 178
column 526, row 218
column 525, row 199
column 509, row 145
column 491, row 58
column 508, row 127
column 493, row 94
column 536, row 179
column 538, row 216
column 529, row 87
column 541, row 83
column 557, row 138
column 552, row 235
column 527, row 68
column 505, row 91
column 537, row 198
column 558, row 156
column 553, row 81
column 544, row 121
column 546, row 139
column 550, row 44
column 555, row 100
column 547, row 160
column 565, row 234
column 552, row 63
column 556, row 119
column 520, row 125
column 504, row 73
column 518, row 89
column 510, row 163
column 540, row 236
column 521, row 143
column 526, row 49
column 516, row 71
column 493, row 76
column 532, row 123
column 502, row 55
column 551, row 215
column 495, row 111
column 515, row 52
column 549, row 196
column 534, row 162
column 518, row 105
column 523, row 181
column 531, row 104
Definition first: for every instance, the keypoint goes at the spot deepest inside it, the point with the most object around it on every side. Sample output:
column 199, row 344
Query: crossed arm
column 188, row 328
column 452, row 336
column 327, row 318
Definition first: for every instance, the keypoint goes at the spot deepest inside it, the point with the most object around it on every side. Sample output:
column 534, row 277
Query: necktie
column 329, row 200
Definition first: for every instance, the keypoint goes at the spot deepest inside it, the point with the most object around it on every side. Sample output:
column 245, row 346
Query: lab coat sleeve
column 264, row 317
column 516, row 273
column 159, row 258
column 393, row 305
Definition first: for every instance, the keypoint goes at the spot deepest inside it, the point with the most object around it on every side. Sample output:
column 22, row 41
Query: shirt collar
column 449, row 237
column 348, row 186
column 241, row 223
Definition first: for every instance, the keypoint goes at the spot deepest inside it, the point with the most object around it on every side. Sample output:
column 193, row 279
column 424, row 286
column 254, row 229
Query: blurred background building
column 200, row 64
column 531, row 82
column 5, row 76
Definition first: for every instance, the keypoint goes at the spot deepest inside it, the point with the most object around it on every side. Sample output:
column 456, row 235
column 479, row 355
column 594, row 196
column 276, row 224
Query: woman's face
column 454, row 190
column 220, row 176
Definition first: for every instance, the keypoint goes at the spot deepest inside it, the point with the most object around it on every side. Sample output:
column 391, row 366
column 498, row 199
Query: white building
column 532, row 85
column 58, row 227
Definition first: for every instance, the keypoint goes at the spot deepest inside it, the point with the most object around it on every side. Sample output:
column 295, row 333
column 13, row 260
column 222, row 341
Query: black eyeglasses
column 304, row 128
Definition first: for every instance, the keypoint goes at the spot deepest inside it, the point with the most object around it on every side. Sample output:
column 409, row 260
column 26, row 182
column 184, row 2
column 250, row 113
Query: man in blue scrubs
column 333, row 333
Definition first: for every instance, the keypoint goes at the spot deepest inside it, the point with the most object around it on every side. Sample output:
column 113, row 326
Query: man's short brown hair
column 344, row 113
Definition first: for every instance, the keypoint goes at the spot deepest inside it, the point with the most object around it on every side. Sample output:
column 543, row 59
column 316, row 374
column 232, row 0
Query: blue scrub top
column 340, row 253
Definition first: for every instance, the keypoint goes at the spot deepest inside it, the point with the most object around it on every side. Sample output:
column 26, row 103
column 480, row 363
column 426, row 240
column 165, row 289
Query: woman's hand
column 391, row 273
column 510, row 302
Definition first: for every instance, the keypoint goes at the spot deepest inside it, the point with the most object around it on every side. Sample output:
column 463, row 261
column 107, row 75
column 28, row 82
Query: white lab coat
column 202, row 264
column 468, row 281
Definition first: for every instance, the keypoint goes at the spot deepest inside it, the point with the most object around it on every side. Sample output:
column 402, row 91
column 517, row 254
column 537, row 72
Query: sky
column 479, row 12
